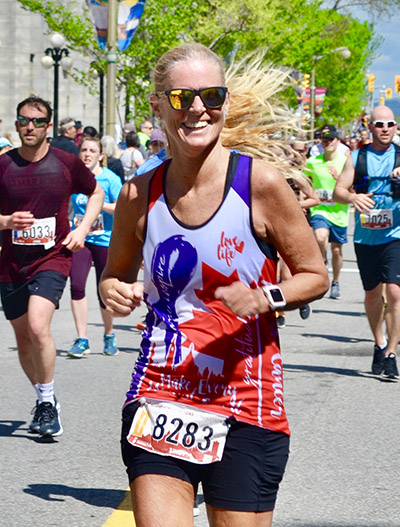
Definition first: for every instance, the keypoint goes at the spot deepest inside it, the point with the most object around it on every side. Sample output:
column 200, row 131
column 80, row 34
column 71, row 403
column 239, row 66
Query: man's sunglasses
column 381, row 124
column 182, row 98
column 38, row 122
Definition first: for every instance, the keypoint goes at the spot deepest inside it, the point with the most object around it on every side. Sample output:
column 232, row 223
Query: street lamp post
column 98, row 73
column 56, row 56
column 346, row 53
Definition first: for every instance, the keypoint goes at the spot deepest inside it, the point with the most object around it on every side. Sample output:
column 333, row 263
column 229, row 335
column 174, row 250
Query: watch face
column 276, row 295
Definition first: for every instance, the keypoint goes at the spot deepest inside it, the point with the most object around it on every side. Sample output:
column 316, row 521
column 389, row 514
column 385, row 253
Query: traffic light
column 364, row 121
column 306, row 81
column 397, row 83
column 371, row 82
column 389, row 93
column 382, row 101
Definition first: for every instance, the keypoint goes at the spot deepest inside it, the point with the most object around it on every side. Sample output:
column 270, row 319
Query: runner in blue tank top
column 377, row 236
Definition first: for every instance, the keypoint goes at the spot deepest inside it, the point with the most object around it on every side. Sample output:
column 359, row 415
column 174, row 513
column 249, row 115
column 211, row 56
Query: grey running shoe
column 49, row 420
column 390, row 370
column 335, row 291
column 377, row 361
column 34, row 426
column 305, row 311
column 79, row 348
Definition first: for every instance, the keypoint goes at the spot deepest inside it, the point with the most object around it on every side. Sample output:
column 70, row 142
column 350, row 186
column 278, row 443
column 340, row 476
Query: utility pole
column 111, row 58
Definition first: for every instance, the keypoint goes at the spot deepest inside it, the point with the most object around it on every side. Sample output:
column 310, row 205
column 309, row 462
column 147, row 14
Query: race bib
column 42, row 232
column 325, row 196
column 377, row 219
column 98, row 226
column 176, row 430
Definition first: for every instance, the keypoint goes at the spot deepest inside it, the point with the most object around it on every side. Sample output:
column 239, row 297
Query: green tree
column 291, row 34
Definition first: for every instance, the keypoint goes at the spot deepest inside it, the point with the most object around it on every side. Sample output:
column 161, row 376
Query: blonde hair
column 258, row 123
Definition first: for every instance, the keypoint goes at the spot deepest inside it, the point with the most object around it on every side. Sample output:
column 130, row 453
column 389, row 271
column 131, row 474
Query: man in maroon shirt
column 36, row 182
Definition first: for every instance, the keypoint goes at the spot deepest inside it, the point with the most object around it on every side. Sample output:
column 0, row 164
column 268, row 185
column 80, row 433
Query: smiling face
column 197, row 128
column 90, row 153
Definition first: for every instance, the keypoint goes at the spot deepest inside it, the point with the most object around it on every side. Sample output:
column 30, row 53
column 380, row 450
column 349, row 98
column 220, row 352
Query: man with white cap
column 65, row 139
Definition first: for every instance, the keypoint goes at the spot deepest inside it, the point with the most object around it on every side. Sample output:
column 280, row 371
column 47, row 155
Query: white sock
column 384, row 345
column 36, row 386
column 46, row 392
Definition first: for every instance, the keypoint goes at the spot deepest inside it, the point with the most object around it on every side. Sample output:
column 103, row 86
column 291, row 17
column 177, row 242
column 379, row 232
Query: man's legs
column 374, row 308
column 337, row 260
column 37, row 354
column 392, row 317
column 322, row 236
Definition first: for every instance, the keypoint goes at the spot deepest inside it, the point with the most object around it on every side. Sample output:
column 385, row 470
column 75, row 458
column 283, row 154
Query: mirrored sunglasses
column 182, row 98
column 38, row 122
column 381, row 124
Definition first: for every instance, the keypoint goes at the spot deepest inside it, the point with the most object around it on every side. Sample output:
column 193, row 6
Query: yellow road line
column 123, row 515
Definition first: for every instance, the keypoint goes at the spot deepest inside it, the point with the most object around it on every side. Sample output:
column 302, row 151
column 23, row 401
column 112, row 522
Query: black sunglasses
column 381, row 124
column 182, row 98
column 38, row 122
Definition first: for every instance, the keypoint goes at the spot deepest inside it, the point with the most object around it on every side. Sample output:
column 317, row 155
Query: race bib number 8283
column 179, row 431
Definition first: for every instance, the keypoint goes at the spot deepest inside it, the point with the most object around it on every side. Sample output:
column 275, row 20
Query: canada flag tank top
column 195, row 351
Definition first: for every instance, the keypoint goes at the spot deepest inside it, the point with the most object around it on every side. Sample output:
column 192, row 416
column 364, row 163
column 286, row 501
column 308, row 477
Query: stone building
column 24, row 37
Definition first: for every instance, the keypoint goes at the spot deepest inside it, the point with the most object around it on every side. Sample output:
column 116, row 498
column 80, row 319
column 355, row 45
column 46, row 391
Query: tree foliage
column 376, row 8
column 300, row 35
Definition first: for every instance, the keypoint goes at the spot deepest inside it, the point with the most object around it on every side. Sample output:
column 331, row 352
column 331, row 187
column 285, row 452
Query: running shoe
column 35, row 425
column 49, row 419
column 305, row 311
column 335, row 291
column 79, row 348
column 378, row 360
column 390, row 370
column 281, row 321
column 110, row 345
column 196, row 510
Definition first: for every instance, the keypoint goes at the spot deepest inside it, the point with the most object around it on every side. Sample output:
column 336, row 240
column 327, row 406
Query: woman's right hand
column 121, row 298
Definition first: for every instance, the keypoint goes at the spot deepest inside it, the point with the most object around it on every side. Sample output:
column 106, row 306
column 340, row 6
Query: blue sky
column 387, row 62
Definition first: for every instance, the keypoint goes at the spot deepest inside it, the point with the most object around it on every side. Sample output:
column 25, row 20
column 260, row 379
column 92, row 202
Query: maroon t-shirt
column 43, row 188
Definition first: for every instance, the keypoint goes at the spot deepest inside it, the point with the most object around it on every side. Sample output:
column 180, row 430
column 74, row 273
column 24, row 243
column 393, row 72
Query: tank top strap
column 239, row 172
column 156, row 187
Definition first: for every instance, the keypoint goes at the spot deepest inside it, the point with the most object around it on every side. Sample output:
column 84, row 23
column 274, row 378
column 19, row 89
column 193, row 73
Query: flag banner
column 129, row 15
column 318, row 100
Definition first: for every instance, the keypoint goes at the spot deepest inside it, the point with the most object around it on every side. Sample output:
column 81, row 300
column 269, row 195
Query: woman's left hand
column 242, row 300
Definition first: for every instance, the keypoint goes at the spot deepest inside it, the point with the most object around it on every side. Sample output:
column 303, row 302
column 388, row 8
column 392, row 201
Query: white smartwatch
column 274, row 296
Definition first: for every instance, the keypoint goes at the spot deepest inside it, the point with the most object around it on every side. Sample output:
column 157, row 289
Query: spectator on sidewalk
column 66, row 136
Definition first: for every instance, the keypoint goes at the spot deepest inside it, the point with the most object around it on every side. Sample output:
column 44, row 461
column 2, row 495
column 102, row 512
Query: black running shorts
column 246, row 479
column 378, row 263
column 15, row 296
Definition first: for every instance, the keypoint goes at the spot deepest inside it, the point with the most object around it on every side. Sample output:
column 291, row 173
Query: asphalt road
column 343, row 469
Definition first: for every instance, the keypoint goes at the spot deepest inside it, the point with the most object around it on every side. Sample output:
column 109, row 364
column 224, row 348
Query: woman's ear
column 155, row 104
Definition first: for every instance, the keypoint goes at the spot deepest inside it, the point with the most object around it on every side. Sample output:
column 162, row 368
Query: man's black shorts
column 246, row 479
column 15, row 296
column 378, row 263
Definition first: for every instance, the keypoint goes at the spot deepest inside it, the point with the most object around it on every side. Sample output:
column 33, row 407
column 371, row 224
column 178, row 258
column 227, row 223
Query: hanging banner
column 318, row 100
column 129, row 15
